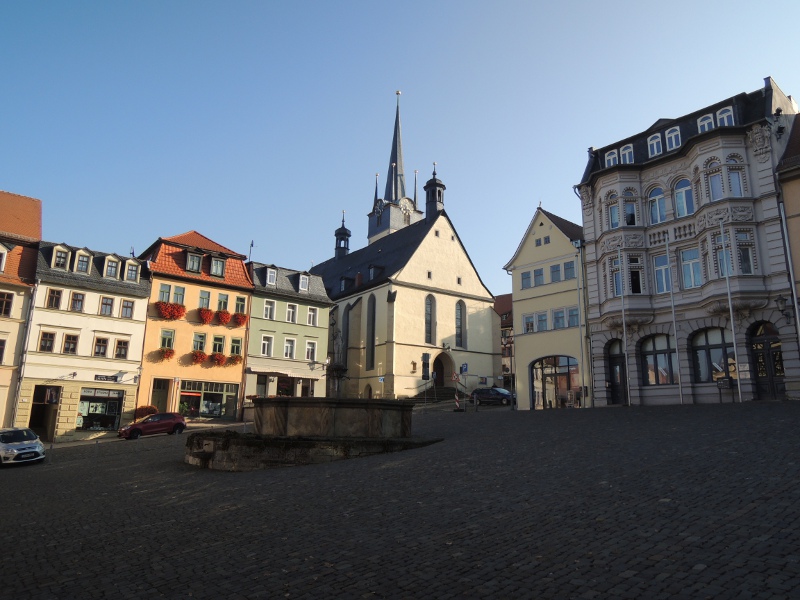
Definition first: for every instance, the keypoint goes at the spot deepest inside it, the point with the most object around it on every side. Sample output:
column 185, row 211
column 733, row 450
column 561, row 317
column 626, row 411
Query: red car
column 158, row 423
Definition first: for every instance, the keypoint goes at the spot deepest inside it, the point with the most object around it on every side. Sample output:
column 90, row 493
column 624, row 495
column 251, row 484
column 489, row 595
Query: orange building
column 196, row 331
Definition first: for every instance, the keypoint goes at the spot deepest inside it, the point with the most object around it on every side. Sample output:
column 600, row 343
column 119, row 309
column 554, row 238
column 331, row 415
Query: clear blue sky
column 264, row 120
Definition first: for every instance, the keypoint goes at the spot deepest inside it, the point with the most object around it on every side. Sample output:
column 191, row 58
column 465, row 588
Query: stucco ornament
column 742, row 308
column 742, row 213
column 586, row 199
column 633, row 323
column 612, row 243
column 759, row 141
column 712, row 217
column 635, row 240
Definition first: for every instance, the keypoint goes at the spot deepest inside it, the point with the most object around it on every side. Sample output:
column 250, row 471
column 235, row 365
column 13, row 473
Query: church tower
column 434, row 196
column 342, row 241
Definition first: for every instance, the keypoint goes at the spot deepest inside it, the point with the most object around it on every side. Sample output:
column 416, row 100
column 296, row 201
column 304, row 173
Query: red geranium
column 240, row 319
column 166, row 353
column 198, row 356
column 218, row 358
column 170, row 310
column 205, row 314
column 235, row 359
column 224, row 317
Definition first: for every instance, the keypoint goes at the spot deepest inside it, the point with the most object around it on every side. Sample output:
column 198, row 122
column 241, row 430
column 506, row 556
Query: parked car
column 491, row 396
column 20, row 445
column 168, row 423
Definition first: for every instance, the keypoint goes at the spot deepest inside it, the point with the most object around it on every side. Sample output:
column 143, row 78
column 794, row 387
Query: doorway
column 44, row 410
column 767, row 365
column 618, row 374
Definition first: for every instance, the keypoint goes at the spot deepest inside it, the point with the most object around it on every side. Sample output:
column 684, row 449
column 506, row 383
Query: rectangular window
column 193, row 263
column 5, row 304
column 538, row 242
column 83, row 264
column 218, row 345
column 526, row 280
column 735, row 179
column 304, row 282
column 271, row 276
column 555, row 273
column 658, row 209
column 106, row 306
column 222, row 302
column 630, row 213
column 236, row 346
column 77, row 302
column 218, row 267
column 288, row 348
column 541, row 321
column 715, row 183
column 121, row 350
column 70, row 344
column 205, row 299
column 179, row 294
column 241, row 304
column 661, row 268
column 569, row 270
column 199, row 342
column 547, row 239
column 54, row 298
column 745, row 260
column 167, row 338
column 690, row 264
column 2, row 350
column 636, row 282
column 61, row 259
column 312, row 316
column 558, row 318
column 311, row 351
column 291, row 313
column 724, row 265
column 163, row 292
column 616, row 278
column 269, row 309
column 266, row 345
column 528, row 323
column 133, row 273
column 574, row 317
column 112, row 267
column 613, row 216
column 538, row 277
column 100, row 347
column 47, row 342
column 127, row 309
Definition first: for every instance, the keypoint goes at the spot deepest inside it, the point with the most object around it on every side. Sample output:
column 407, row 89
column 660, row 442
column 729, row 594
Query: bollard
column 50, row 454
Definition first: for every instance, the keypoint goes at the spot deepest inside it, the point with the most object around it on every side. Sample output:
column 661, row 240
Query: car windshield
column 502, row 391
column 20, row 435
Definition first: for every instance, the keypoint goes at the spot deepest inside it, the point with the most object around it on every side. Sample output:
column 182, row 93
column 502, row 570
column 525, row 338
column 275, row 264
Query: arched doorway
column 767, row 361
column 368, row 392
column 617, row 373
column 442, row 371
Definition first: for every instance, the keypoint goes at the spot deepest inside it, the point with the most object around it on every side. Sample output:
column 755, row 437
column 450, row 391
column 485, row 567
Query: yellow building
column 548, row 311
column 196, row 332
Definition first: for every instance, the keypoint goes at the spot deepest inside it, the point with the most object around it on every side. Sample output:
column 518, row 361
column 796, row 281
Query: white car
column 20, row 445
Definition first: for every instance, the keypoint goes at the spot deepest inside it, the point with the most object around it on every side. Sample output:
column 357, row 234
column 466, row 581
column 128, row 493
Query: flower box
column 224, row 317
column 219, row 359
column 205, row 314
column 240, row 319
column 166, row 353
column 235, row 359
column 198, row 357
column 170, row 310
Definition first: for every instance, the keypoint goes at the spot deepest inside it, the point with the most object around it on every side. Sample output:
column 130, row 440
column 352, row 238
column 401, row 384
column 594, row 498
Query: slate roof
column 94, row 280
column 287, row 284
column 568, row 228
column 791, row 156
column 20, row 217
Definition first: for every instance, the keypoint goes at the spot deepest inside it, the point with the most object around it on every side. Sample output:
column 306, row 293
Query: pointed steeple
column 342, row 241
column 395, row 181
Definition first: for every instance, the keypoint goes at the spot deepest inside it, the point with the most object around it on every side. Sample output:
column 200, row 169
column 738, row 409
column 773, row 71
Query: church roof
column 395, row 178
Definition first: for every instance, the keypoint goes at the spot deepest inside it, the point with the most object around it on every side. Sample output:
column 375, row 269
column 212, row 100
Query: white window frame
column 654, row 147
column 691, row 270
column 659, row 202
column 559, row 314
column 218, row 267
column 289, row 346
column 612, row 210
column 626, row 154
column 725, row 117
column 192, row 257
column 673, row 138
column 267, row 346
column 269, row 310
column 705, row 123
column 611, row 158
column 681, row 207
column 311, row 318
column 529, row 323
column 573, row 311
column 291, row 313
column 304, row 283
column 311, row 351
column 272, row 276
column 541, row 316
column 662, row 274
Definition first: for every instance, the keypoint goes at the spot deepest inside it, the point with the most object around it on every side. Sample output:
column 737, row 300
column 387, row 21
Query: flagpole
column 674, row 322
column 624, row 325
column 728, row 266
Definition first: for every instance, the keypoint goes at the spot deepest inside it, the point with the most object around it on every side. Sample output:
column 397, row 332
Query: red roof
column 20, row 266
column 20, row 216
column 502, row 306
column 198, row 240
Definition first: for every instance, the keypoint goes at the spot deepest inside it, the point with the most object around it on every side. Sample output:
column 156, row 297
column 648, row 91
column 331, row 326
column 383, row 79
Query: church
column 410, row 308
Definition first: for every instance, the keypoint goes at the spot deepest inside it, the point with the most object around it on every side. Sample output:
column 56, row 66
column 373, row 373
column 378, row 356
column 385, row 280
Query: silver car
column 19, row 445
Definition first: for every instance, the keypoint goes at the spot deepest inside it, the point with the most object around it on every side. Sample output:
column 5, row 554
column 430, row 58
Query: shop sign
column 105, row 378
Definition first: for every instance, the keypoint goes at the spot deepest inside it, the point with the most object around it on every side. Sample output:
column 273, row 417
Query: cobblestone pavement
column 672, row 502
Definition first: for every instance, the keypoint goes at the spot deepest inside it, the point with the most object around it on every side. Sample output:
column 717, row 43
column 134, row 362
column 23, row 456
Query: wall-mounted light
column 780, row 302
column 446, row 347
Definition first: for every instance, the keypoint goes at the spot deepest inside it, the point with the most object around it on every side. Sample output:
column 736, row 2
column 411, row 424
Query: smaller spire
column 376, row 191
column 434, row 169
column 343, row 217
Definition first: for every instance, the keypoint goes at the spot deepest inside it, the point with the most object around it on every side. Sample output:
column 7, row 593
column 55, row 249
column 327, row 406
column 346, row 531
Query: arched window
column 371, row 333
column 461, row 324
column 613, row 211
column 430, row 319
column 684, row 200
column 705, row 123
column 654, row 145
column 626, row 154
column 734, row 176
column 611, row 158
column 659, row 360
column 673, row 138
column 713, row 356
column 714, row 173
column 658, row 206
column 724, row 117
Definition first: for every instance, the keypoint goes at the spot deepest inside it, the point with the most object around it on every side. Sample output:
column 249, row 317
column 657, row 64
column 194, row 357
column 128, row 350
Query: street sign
column 464, row 368
column 455, row 376
column 380, row 379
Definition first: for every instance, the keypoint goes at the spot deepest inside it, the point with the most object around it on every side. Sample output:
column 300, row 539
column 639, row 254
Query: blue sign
column 464, row 368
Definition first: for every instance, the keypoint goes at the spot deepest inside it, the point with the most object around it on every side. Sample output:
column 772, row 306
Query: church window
column 430, row 319
column 371, row 333
column 461, row 324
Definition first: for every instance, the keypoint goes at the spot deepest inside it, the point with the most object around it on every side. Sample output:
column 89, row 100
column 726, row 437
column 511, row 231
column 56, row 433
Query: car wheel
column 504, row 401
column 478, row 401
column 134, row 435
column 178, row 429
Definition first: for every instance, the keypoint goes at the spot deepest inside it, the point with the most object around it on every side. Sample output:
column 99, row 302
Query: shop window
column 99, row 410
column 713, row 355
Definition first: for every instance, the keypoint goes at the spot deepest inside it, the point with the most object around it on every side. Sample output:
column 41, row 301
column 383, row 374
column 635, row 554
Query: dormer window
column 342, row 284
column 611, row 158
column 705, row 123
column 371, row 273
column 654, row 145
column 112, row 268
column 673, row 138
column 725, row 117
column 60, row 261
column 304, row 282
column 2, row 258
column 626, row 154
column 218, row 267
column 83, row 264
column 193, row 262
column 272, row 275
column 132, row 273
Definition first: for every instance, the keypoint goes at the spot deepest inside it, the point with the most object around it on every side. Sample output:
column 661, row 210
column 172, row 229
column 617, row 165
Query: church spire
column 395, row 181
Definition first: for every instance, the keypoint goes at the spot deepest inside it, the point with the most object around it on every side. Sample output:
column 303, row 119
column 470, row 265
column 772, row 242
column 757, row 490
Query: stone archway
column 444, row 368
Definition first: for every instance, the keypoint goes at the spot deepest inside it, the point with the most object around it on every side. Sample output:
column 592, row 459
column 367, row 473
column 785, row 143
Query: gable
column 552, row 241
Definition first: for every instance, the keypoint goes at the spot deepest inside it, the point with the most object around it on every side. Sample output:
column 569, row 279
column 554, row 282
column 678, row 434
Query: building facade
column 685, row 258
column 288, row 341
column 549, row 309
column 196, row 334
column 503, row 307
column 84, row 343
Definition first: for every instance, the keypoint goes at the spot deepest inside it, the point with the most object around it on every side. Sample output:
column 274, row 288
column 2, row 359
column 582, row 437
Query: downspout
column 24, row 355
column 587, row 335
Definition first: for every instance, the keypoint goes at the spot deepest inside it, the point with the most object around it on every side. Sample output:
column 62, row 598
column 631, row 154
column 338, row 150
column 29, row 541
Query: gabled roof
column 20, row 217
column 20, row 264
column 570, row 230
column 193, row 239
column 287, row 283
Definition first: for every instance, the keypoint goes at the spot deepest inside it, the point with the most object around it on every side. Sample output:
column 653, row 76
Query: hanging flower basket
column 198, row 357
column 170, row 310
column 240, row 319
column 219, row 359
column 224, row 317
column 205, row 314
column 235, row 359
column 166, row 353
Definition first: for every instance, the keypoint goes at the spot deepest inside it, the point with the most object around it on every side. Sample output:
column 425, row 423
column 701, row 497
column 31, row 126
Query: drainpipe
column 24, row 354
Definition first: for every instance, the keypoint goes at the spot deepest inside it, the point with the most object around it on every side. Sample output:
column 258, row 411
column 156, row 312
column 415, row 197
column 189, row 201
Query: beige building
column 789, row 180
column 549, row 335
column 686, row 270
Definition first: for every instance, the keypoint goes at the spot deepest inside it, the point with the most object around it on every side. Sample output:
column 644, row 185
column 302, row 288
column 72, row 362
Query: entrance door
column 618, row 393
column 160, row 394
column 438, row 369
column 44, row 410
column 765, row 346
